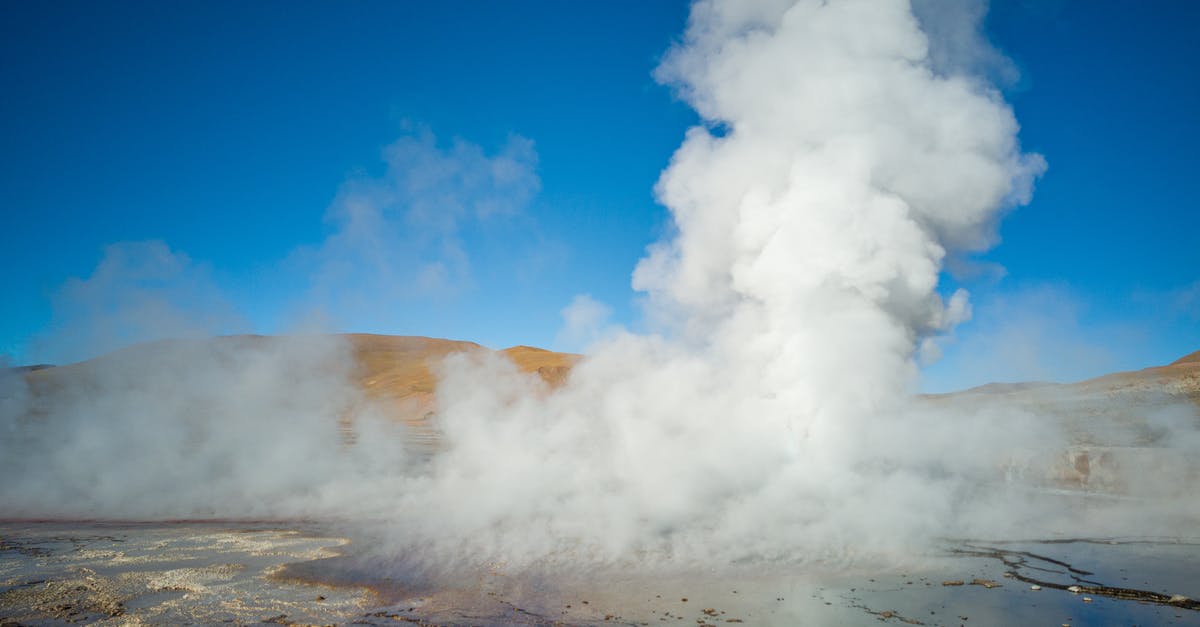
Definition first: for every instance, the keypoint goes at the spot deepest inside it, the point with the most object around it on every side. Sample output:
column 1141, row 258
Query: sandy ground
column 171, row 573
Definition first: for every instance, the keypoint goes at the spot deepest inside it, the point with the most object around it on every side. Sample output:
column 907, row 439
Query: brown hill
column 1187, row 359
column 396, row 373
column 1122, row 427
column 1178, row 380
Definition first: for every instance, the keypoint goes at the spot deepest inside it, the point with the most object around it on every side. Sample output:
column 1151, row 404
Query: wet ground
column 248, row 573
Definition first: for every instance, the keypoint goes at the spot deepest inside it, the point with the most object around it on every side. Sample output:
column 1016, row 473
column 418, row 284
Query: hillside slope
column 395, row 374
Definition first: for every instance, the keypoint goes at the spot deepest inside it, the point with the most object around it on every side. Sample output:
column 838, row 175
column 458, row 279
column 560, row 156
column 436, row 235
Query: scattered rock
column 1178, row 599
column 708, row 611
column 953, row 582
column 1075, row 589
column 986, row 583
column 1035, row 587
column 1087, row 599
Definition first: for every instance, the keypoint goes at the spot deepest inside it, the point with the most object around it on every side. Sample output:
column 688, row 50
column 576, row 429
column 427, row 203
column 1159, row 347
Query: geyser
column 767, row 419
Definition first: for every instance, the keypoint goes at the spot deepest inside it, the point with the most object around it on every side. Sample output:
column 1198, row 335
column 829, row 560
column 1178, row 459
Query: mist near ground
column 769, row 415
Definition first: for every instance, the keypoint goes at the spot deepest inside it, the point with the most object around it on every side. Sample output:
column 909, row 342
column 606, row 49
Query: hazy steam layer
column 768, row 420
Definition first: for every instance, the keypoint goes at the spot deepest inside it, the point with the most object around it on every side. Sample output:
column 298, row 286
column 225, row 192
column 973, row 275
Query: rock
column 1035, row 587
column 1075, row 589
column 953, row 582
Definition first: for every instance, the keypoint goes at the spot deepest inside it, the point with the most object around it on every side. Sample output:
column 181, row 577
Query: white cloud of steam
column 585, row 320
column 770, row 422
column 139, row 291
column 772, row 419
column 400, row 237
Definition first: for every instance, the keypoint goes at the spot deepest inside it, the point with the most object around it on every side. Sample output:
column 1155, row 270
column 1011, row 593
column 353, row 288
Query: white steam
column 401, row 238
column 139, row 291
column 770, row 418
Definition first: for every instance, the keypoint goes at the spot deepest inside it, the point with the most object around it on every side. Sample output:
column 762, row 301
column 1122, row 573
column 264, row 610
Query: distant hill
column 1122, row 428
column 396, row 373
column 20, row 369
column 1180, row 379
column 1187, row 359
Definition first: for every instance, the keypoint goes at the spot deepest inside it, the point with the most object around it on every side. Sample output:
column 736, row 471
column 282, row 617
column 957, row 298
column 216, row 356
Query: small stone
column 1087, row 599
column 1075, row 589
column 1035, row 587
column 953, row 582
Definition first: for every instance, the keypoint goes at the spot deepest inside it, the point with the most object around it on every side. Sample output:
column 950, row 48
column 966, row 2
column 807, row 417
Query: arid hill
column 395, row 373
column 1177, row 381
column 1121, row 426
column 399, row 373
column 1192, row 358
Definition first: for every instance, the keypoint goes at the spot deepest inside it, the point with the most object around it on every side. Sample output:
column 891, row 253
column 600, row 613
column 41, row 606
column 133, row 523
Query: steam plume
column 768, row 419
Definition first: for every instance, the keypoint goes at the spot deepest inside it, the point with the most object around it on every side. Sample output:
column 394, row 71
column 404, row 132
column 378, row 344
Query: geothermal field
column 751, row 439
column 351, row 522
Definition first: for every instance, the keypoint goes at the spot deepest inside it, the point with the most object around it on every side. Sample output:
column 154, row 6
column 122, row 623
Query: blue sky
column 232, row 132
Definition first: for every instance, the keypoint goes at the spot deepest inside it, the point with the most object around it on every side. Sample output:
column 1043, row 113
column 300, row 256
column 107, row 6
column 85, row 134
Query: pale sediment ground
column 164, row 573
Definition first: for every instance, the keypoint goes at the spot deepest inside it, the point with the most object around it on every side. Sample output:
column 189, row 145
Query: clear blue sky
column 226, row 130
